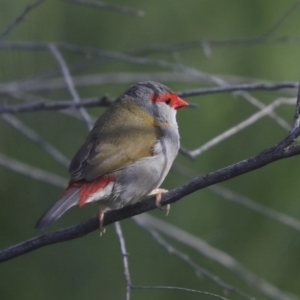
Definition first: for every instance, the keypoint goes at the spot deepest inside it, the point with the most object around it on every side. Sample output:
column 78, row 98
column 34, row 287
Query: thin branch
column 296, row 121
column 35, row 85
column 198, row 269
column 32, row 172
column 280, row 121
column 243, row 200
column 70, row 84
column 214, row 254
column 266, row 157
column 86, row 51
column 19, row 18
column 106, row 101
column 36, row 138
column 279, row 151
column 177, row 288
column 257, row 207
column 38, row 84
column 252, row 119
column 54, row 105
column 240, row 87
column 214, row 43
column 94, row 52
column 34, row 99
column 256, row 103
column 109, row 6
column 283, row 19
column 124, row 253
column 119, row 56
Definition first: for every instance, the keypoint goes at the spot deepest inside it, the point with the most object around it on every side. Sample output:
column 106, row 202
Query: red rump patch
column 87, row 188
column 170, row 99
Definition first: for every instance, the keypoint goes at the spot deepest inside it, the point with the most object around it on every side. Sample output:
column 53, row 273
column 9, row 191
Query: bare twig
column 177, row 288
column 32, row 172
column 54, row 105
column 243, row 200
column 280, row 121
column 106, row 101
column 265, row 111
column 124, row 253
column 214, row 254
column 119, row 56
column 257, row 207
column 256, row 103
column 239, row 87
column 70, row 84
column 87, row 51
column 198, row 269
column 19, row 18
column 39, row 100
column 283, row 19
column 36, row 138
column 127, row 77
column 268, row 156
column 38, row 84
column 214, row 43
column 109, row 6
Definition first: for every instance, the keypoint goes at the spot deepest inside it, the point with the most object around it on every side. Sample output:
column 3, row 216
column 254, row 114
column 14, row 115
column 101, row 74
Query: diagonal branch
column 214, row 254
column 283, row 149
column 266, row 157
column 283, row 19
column 109, row 6
column 53, row 105
column 19, row 18
column 184, row 257
column 124, row 253
column 36, row 138
column 242, row 125
column 31, row 171
column 178, row 288
column 70, row 84
column 106, row 101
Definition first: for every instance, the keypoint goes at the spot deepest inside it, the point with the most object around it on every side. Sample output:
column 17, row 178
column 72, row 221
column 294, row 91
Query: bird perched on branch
column 126, row 156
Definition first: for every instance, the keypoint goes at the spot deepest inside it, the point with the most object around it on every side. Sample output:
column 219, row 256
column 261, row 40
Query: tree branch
column 19, row 18
column 53, row 105
column 283, row 149
column 242, row 125
column 124, row 253
column 70, row 84
column 109, row 6
column 197, row 268
column 268, row 156
column 106, row 101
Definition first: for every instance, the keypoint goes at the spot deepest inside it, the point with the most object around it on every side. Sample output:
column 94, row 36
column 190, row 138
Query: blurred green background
column 91, row 267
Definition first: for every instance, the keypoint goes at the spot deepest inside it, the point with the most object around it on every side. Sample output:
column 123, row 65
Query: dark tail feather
column 59, row 208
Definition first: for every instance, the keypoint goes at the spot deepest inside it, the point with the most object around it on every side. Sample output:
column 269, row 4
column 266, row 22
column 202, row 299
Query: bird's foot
column 158, row 193
column 100, row 215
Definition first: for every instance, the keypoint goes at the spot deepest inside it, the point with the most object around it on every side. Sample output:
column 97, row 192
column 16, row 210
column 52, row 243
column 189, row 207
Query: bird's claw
column 158, row 193
column 100, row 215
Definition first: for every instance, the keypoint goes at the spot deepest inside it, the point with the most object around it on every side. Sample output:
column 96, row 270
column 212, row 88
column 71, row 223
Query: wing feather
column 123, row 134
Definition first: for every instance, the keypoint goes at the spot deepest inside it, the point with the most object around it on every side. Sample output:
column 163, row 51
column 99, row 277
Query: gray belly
column 139, row 179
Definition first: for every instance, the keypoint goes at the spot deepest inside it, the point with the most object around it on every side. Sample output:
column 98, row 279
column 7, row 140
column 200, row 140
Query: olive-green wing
column 122, row 135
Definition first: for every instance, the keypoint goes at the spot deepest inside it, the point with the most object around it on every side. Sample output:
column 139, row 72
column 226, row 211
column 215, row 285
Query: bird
column 127, row 154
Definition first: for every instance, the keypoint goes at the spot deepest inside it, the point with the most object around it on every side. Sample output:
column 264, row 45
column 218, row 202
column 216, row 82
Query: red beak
column 179, row 103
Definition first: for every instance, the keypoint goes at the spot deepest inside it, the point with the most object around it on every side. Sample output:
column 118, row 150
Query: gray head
column 157, row 99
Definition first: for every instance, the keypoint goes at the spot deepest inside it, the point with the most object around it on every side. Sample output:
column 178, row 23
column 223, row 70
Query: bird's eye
column 168, row 101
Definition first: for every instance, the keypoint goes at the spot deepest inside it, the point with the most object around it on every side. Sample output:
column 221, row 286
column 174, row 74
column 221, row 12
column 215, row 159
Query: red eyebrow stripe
column 175, row 101
column 162, row 97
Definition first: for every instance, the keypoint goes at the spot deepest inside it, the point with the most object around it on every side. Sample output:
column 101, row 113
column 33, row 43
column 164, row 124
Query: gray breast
column 139, row 179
